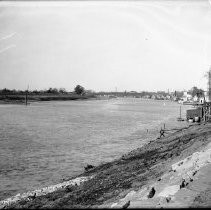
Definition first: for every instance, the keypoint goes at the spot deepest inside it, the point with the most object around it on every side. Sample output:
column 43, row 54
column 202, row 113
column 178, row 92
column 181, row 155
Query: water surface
column 45, row 142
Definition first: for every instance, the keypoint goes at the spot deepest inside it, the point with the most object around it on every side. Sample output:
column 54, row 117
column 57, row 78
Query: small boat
column 180, row 119
column 188, row 103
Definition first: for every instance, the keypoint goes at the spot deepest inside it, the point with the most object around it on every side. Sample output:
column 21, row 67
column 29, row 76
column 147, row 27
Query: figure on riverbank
column 162, row 133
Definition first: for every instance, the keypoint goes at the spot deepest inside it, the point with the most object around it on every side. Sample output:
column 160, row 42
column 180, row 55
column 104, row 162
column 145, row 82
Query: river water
column 43, row 143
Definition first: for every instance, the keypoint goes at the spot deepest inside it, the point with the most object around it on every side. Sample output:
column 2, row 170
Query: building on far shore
column 201, row 100
column 186, row 96
column 202, row 112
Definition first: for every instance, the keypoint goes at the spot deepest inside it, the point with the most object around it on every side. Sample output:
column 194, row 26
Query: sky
column 144, row 45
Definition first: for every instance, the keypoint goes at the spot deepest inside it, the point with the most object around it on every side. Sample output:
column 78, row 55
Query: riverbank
column 20, row 99
column 131, row 177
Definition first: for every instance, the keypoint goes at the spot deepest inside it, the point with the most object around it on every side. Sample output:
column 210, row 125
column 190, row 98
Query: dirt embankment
column 114, row 180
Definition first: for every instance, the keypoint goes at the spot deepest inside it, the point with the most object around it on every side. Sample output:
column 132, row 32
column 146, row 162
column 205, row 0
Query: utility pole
column 209, row 85
column 26, row 101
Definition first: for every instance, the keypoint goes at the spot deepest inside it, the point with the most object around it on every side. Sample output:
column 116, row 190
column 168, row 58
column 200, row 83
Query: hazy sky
column 131, row 45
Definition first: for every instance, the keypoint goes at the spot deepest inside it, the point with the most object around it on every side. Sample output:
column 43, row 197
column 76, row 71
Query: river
column 43, row 143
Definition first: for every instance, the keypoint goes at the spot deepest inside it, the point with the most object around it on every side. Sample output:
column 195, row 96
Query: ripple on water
column 46, row 142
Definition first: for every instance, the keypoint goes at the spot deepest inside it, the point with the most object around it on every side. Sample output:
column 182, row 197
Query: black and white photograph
column 105, row 104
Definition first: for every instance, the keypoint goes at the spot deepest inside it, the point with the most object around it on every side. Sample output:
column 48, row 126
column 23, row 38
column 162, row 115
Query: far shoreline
column 21, row 99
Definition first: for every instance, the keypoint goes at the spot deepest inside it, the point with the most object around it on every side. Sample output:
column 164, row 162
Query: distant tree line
column 141, row 94
column 79, row 90
column 48, row 91
column 194, row 91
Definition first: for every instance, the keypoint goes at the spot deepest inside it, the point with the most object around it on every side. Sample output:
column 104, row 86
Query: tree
column 49, row 90
column 196, row 92
column 79, row 90
column 5, row 90
column 62, row 91
column 52, row 90
column 35, row 92
column 55, row 91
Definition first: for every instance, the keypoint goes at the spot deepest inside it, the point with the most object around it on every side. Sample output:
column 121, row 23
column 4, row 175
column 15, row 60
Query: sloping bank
column 154, row 175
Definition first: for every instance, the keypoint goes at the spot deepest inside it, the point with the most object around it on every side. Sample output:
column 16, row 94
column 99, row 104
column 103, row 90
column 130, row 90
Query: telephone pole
column 26, row 101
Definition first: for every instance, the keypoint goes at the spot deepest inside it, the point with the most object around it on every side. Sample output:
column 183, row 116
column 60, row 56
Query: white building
column 195, row 98
column 201, row 100
column 186, row 96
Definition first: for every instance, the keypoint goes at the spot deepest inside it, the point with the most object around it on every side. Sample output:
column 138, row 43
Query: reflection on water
column 45, row 142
